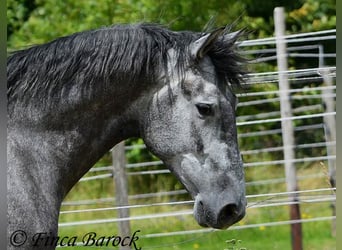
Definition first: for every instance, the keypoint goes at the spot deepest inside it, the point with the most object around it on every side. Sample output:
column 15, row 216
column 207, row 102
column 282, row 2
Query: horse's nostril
column 220, row 217
column 228, row 213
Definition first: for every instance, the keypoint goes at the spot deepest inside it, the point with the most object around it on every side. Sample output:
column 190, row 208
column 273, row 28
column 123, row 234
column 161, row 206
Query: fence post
column 330, row 136
column 121, row 188
column 287, row 127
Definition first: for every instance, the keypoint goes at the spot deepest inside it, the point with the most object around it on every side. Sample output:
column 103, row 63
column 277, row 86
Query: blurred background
column 158, row 204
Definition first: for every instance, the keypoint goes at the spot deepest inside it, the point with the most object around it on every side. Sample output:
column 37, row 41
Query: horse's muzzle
column 218, row 213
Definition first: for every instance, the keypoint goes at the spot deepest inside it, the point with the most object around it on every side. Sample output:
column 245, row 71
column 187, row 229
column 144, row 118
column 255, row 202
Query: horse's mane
column 124, row 53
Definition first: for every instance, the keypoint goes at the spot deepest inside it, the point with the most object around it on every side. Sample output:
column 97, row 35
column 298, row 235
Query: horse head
column 189, row 123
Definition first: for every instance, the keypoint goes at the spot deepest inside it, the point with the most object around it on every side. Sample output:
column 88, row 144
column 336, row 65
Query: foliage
column 34, row 22
column 313, row 15
column 17, row 14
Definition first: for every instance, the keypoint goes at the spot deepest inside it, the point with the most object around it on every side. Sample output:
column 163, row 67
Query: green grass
column 316, row 235
column 277, row 237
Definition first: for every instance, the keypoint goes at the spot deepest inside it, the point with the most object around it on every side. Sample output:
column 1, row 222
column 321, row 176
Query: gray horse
column 73, row 99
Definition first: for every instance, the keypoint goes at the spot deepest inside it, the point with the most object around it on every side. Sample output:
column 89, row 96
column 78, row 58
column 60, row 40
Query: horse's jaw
column 216, row 204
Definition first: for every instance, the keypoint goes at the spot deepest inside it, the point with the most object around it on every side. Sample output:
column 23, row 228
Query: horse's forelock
column 228, row 62
column 121, row 53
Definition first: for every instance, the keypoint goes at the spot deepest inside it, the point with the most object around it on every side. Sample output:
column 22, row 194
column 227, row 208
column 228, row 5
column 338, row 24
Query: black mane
column 124, row 53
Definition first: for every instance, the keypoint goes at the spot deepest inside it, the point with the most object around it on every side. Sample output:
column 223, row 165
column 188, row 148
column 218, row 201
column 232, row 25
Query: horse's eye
column 205, row 109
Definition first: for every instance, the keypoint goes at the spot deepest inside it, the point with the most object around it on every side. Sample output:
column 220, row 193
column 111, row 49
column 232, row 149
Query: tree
column 34, row 22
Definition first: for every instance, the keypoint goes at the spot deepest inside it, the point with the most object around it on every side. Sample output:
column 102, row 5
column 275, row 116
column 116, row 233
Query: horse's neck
column 68, row 141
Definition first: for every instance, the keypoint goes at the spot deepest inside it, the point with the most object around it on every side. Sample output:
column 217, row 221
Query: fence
column 312, row 94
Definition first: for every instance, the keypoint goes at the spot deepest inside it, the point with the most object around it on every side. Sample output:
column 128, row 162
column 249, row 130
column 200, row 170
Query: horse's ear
column 233, row 36
column 201, row 46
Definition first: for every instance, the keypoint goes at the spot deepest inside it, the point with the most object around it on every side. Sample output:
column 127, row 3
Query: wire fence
column 259, row 127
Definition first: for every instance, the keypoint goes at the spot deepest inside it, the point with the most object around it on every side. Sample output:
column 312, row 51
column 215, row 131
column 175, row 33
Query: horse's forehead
column 206, row 65
column 202, row 73
column 206, row 84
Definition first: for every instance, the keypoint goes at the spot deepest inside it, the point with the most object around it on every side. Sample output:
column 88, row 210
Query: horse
column 72, row 99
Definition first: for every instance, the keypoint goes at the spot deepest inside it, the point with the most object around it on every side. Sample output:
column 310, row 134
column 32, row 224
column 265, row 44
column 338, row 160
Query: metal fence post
column 330, row 136
column 287, row 126
column 121, row 189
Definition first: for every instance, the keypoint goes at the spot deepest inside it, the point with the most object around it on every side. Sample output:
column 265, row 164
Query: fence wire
column 307, row 86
